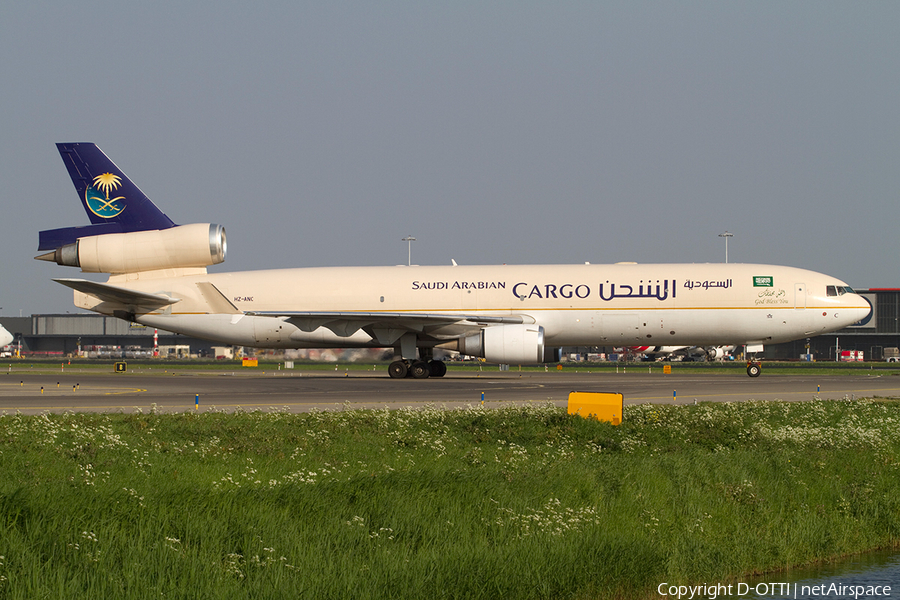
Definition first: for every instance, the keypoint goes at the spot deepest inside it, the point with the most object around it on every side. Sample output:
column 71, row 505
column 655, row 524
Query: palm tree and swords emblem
column 102, row 205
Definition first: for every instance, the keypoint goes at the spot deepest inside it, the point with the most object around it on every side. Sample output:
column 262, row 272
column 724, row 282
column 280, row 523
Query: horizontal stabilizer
column 112, row 293
column 51, row 239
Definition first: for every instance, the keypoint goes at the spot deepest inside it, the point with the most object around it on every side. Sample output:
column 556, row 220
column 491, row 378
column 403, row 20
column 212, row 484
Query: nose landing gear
column 753, row 368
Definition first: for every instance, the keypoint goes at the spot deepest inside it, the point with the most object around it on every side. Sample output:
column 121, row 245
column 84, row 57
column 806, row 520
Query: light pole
column 409, row 240
column 726, row 235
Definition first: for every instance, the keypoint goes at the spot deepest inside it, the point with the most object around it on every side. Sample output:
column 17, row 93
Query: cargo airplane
column 505, row 314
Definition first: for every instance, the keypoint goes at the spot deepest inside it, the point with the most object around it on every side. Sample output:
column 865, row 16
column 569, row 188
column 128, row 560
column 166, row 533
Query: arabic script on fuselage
column 770, row 296
column 705, row 285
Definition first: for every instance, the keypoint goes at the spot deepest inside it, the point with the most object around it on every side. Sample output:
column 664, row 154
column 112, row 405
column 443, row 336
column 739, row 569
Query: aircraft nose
column 857, row 308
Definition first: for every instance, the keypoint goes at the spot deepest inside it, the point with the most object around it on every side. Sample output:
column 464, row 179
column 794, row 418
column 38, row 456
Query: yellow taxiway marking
column 32, row 389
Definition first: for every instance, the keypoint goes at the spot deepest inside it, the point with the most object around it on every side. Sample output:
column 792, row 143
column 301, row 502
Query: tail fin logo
column 97, row 196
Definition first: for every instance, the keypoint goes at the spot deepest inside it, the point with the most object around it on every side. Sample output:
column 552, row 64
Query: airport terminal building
column 99, row 336
column 95, row 336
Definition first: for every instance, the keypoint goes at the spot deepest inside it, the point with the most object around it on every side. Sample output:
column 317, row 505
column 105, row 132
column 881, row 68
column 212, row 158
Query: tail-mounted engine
column 184, row 246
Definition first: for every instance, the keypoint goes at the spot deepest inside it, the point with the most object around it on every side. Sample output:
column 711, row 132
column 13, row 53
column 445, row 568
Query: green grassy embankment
column 520, row 502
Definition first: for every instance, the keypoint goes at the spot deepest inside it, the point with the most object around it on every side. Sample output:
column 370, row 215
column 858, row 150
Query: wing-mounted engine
column 509, row 344
column 184, row 246
column 718, row 352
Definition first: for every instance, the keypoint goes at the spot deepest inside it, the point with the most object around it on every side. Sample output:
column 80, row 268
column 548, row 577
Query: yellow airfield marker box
column 603, row 406
column 250, row 362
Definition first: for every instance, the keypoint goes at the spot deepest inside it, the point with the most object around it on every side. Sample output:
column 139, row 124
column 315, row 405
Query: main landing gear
column 417, row 369
column 753, row 368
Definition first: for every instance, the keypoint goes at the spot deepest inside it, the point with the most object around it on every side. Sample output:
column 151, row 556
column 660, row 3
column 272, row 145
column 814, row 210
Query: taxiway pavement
column 34, row 391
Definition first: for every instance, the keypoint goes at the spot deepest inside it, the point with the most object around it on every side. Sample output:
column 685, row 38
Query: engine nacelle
column 718, row 352
column 184, row 246
column 509, row 344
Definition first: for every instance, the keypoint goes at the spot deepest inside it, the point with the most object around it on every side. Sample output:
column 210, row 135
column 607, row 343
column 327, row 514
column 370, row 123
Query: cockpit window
column 838, row 290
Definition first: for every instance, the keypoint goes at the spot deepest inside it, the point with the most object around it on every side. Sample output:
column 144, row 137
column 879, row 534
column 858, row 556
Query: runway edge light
column 603, row 406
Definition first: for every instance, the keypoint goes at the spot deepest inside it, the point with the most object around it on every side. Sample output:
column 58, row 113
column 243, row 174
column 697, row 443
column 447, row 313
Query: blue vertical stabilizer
column 112, row 202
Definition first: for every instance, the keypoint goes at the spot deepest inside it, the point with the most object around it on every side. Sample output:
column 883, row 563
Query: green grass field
column 520, row 502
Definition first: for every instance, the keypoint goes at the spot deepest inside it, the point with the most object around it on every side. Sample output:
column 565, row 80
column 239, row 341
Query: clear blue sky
column 494, row 132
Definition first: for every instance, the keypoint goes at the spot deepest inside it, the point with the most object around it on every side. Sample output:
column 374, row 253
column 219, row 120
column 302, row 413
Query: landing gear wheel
column 419, row 370
column 437, row 368
column 398, row 369
column 753, row 369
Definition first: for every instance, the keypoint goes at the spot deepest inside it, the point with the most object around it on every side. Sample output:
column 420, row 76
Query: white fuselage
column 6, row 337
column 610, row 305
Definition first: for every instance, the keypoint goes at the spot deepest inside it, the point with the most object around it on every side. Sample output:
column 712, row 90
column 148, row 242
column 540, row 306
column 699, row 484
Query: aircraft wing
column 387, row 327
column 112, row 293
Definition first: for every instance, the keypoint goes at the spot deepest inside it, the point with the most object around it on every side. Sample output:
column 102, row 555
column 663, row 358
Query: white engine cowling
column 184, row 246
column 718, row 352
column 507, row 344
